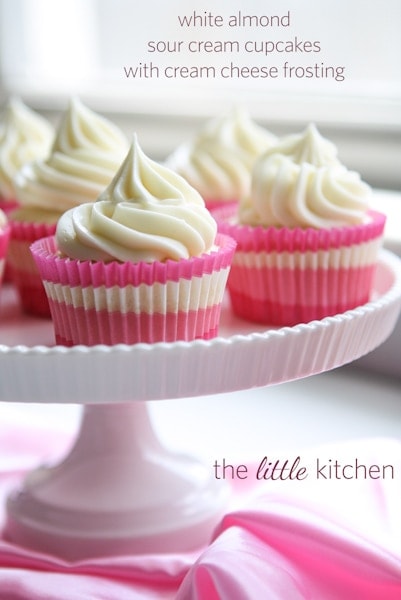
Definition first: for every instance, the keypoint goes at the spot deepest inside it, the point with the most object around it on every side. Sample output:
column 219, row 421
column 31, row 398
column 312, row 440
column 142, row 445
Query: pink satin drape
column 315, row 539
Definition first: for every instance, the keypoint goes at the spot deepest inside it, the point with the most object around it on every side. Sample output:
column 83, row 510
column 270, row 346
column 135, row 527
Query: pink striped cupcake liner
column 23, row 271
column 4, row 242
column 110, row 303
column 7, row 206
column 282, row 276
column 216, row 203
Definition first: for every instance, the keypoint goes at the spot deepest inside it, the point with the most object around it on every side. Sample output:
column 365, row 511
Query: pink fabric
column 281, row 540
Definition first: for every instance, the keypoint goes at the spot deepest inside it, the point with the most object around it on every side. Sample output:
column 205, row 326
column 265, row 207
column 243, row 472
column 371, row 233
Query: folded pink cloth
column 324, row 537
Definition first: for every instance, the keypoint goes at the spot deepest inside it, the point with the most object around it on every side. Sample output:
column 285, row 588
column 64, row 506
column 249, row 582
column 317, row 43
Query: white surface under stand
column 119, row 490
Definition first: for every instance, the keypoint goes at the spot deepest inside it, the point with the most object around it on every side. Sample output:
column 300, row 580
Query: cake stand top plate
column 244, row 355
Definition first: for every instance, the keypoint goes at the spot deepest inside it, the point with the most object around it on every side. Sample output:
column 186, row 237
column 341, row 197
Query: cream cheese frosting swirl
column 85, row 156
column 301, row 183
column 147, row 213
column 24, row 136
column 219, row 161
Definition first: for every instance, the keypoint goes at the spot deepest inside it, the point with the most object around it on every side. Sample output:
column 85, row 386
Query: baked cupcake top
column 85, row 156
column 147, row 213
column 301, row 183
column 24, row 136
column 218, row 162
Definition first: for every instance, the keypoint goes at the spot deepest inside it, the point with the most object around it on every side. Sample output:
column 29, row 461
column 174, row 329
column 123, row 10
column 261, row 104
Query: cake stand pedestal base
column 119, row 491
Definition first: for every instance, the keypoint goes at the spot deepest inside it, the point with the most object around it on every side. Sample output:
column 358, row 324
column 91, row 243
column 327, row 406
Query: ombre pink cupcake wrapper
column 91, row 327
column 4, row 241
column 290, row 296
column 7, row 206
column 28, row 231
column 84, row 273
column 283, row 239
column 22, row 269
column 284, row 277
column 5, row 234
column 97, row 303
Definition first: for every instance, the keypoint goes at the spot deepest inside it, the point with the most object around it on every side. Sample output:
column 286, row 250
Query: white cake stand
column 119, row 490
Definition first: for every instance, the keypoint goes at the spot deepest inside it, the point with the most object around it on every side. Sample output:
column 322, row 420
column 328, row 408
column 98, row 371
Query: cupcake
column 141, row 264
column 307, row 243
column 219, row 161
column 4, row 239
column 86, row 154
column 24, row 136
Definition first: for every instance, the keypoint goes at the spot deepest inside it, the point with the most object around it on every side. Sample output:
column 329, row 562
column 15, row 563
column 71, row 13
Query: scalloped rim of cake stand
column 243, row 356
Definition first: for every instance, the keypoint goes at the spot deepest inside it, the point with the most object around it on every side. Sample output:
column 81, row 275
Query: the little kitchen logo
column 295, row 470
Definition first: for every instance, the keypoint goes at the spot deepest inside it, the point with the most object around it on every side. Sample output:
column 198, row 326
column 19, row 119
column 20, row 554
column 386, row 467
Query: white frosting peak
column 219, row 161
column 85, row 156
column 88, row 136
column 142, row 180
column 309, row 146
column 24, row 136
